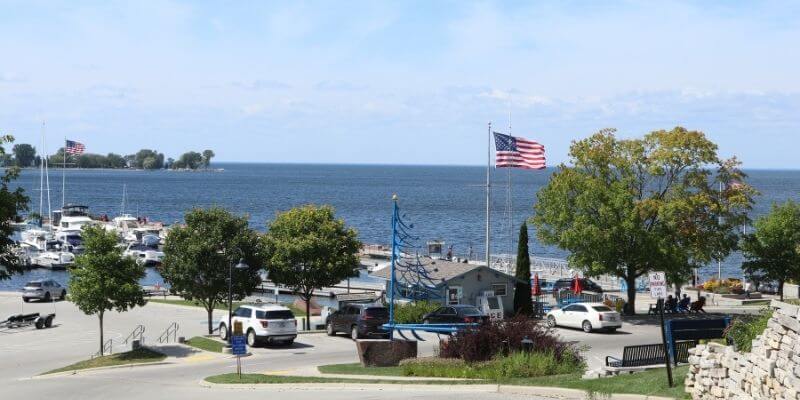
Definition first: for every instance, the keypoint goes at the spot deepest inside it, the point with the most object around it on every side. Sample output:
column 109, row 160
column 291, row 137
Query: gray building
column 461, row 282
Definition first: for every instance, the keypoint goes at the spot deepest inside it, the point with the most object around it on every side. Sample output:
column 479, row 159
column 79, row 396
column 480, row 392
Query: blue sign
column 238, row 345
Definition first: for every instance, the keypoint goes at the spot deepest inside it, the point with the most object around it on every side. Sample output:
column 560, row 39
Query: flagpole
column 488, row 192
column 64, row 175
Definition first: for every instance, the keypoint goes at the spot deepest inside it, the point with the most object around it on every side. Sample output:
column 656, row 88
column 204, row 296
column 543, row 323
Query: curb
column 548, row 392
column 84, row 370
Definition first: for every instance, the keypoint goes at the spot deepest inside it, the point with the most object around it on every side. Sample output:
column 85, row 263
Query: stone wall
column 770, row 371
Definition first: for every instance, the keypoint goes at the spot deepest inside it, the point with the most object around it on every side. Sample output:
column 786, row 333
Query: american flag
column 75, row 147
column 516, row 152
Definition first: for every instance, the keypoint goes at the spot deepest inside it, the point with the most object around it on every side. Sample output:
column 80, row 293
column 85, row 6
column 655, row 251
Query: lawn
column 273, row 379
column 207, row 344
column 138, row 356
column 652, row 382
column 220, row 306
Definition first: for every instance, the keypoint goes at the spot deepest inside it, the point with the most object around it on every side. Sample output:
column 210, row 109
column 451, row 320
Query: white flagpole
column 488, row 195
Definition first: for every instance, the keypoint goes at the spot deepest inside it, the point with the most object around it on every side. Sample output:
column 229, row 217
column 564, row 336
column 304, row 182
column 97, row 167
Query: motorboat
column 71, row 240
column 145, row 253
column 53, row 259
column 72, row 217
column 36, row 238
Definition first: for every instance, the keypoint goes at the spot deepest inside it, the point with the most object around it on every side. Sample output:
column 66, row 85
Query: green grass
column 358, row 369
column 498, row 368
column 207, row 344
column 220, row 306
column 138, row 356
column 651, row 382
column 267, row 379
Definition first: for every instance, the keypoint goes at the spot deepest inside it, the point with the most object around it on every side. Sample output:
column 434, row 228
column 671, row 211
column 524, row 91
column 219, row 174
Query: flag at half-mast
column 517, row 152
column 75, row 148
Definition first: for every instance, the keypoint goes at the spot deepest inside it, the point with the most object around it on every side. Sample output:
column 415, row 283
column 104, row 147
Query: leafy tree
column 207, row 156
column 630, row 206
column 772, row 252
column 115, row 161
column 12, row 202
column 150, row 163
column 57, row 159
column 24, row 155
column 103, row 279
column 307, row 248
column 198, row 257
column 189, row 160
column 148, row 159
column 523, row 303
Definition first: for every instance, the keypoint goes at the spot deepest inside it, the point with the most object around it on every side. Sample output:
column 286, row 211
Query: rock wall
column 770, row 371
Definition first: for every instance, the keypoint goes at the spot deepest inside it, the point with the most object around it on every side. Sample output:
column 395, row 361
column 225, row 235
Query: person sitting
column 670, row 305
column 683, row 305
column 697, row 306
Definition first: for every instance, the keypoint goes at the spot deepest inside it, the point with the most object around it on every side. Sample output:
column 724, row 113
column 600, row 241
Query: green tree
column 207, row 156
column 189, row 160
column 307, row 248
column 198, row 257
column 24, row 155
column 57, row 159
column 630, row 206
column 148, row 159
column 12, row 202
column 115, row 161
column 103, row 279
column 772, row 252
column 523, row 303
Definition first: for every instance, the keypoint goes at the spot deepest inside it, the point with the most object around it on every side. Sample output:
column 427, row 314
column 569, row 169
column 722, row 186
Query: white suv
column 262, row 323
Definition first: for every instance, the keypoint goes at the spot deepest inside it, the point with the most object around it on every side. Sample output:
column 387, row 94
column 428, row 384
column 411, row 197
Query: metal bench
column 636, row 357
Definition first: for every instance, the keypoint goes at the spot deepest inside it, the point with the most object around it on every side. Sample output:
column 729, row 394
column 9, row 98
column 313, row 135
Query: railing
column 136, row 334
column 108, row 348
column 171, row 331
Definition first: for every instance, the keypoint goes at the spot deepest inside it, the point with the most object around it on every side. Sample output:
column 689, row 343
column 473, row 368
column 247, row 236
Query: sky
column 401, row 82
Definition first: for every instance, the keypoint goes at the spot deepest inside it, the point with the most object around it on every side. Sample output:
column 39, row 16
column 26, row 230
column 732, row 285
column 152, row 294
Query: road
column 28, row 352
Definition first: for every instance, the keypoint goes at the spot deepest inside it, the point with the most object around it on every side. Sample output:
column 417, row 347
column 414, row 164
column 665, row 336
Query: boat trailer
column 35, row 319
column 439, row 329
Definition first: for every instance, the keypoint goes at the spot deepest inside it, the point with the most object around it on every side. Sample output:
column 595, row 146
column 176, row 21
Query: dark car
column 567, row 283
column 455, row 314
column 359, row 320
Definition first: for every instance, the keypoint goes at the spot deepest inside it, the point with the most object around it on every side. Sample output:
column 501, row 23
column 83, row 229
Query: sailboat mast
column 47, row 183
column 488, row 193
column 510, row 201
column 64, row 176
column 41, row 178
column 124, row 195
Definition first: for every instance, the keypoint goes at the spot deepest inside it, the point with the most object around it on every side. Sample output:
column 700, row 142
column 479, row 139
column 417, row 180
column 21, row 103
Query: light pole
column 241, row 265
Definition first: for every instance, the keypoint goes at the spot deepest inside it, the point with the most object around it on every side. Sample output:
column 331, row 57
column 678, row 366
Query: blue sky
column 398, row 82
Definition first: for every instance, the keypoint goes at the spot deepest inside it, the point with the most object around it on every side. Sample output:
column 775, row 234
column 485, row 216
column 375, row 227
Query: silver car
column 43, row 289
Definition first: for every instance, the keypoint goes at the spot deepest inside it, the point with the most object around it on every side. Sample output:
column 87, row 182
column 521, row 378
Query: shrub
column 743, row 330
column 411, row 313
column 484, row 342
column 516, row 365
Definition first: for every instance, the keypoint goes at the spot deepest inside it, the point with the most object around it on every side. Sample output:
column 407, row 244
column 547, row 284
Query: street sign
column 238, row 345
column 658, row 285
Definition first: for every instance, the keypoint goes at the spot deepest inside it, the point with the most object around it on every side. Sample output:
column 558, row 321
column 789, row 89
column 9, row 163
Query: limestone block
column 384, row 352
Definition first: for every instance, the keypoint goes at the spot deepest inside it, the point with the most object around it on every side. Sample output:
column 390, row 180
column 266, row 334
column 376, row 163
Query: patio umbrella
column 536, row 288
column 576, row 285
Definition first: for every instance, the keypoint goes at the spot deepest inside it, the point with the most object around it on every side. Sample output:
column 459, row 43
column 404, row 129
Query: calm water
column 445, row 203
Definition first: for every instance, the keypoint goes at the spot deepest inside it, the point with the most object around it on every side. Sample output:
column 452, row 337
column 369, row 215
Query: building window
column 454, row 295
column 499, row 289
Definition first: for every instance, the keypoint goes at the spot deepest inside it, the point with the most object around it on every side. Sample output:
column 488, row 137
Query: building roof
column 441, row 269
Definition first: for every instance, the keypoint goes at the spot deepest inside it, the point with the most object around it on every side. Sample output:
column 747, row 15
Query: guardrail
column 137, row 333
column 108, row 349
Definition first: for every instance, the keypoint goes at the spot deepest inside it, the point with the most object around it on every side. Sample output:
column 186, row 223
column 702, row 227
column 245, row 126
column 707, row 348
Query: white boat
column 70, row 240
column 36, row 238
column 53, row 259
column 72, row 217
column 149, row 256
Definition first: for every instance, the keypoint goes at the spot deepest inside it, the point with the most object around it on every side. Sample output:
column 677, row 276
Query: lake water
column 443, row 202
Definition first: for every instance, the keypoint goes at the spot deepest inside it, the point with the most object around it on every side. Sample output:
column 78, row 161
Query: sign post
column 238, row 346
column 658, row 290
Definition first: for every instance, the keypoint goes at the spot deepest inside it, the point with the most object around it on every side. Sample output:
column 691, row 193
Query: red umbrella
column 576, row 285
column 536, row 288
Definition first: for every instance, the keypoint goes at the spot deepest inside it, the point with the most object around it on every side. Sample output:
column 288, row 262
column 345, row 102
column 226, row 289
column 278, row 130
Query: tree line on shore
column 24, row 155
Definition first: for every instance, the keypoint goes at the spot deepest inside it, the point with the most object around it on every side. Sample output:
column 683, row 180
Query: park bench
column 647, row 355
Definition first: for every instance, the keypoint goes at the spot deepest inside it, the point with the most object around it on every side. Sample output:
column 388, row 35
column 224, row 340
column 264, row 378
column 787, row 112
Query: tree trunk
column 780, row 288
column 307, row 297
column 630, row 306
column 210, row 311
column 100, row 317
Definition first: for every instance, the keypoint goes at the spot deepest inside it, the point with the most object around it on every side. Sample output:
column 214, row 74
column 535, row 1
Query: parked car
column 262, row 323
column 43, row 289
column 455, row 314
column 586, row 284
column 359, row 320
column 587, row 316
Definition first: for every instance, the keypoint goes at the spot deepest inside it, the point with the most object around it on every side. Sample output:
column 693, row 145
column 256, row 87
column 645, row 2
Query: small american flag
column 75, row 147
column 516, row 152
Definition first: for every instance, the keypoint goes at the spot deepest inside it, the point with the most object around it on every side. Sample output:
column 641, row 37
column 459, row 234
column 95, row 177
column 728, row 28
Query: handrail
column 137, row 332
column 108, row 348
column 172, row 330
